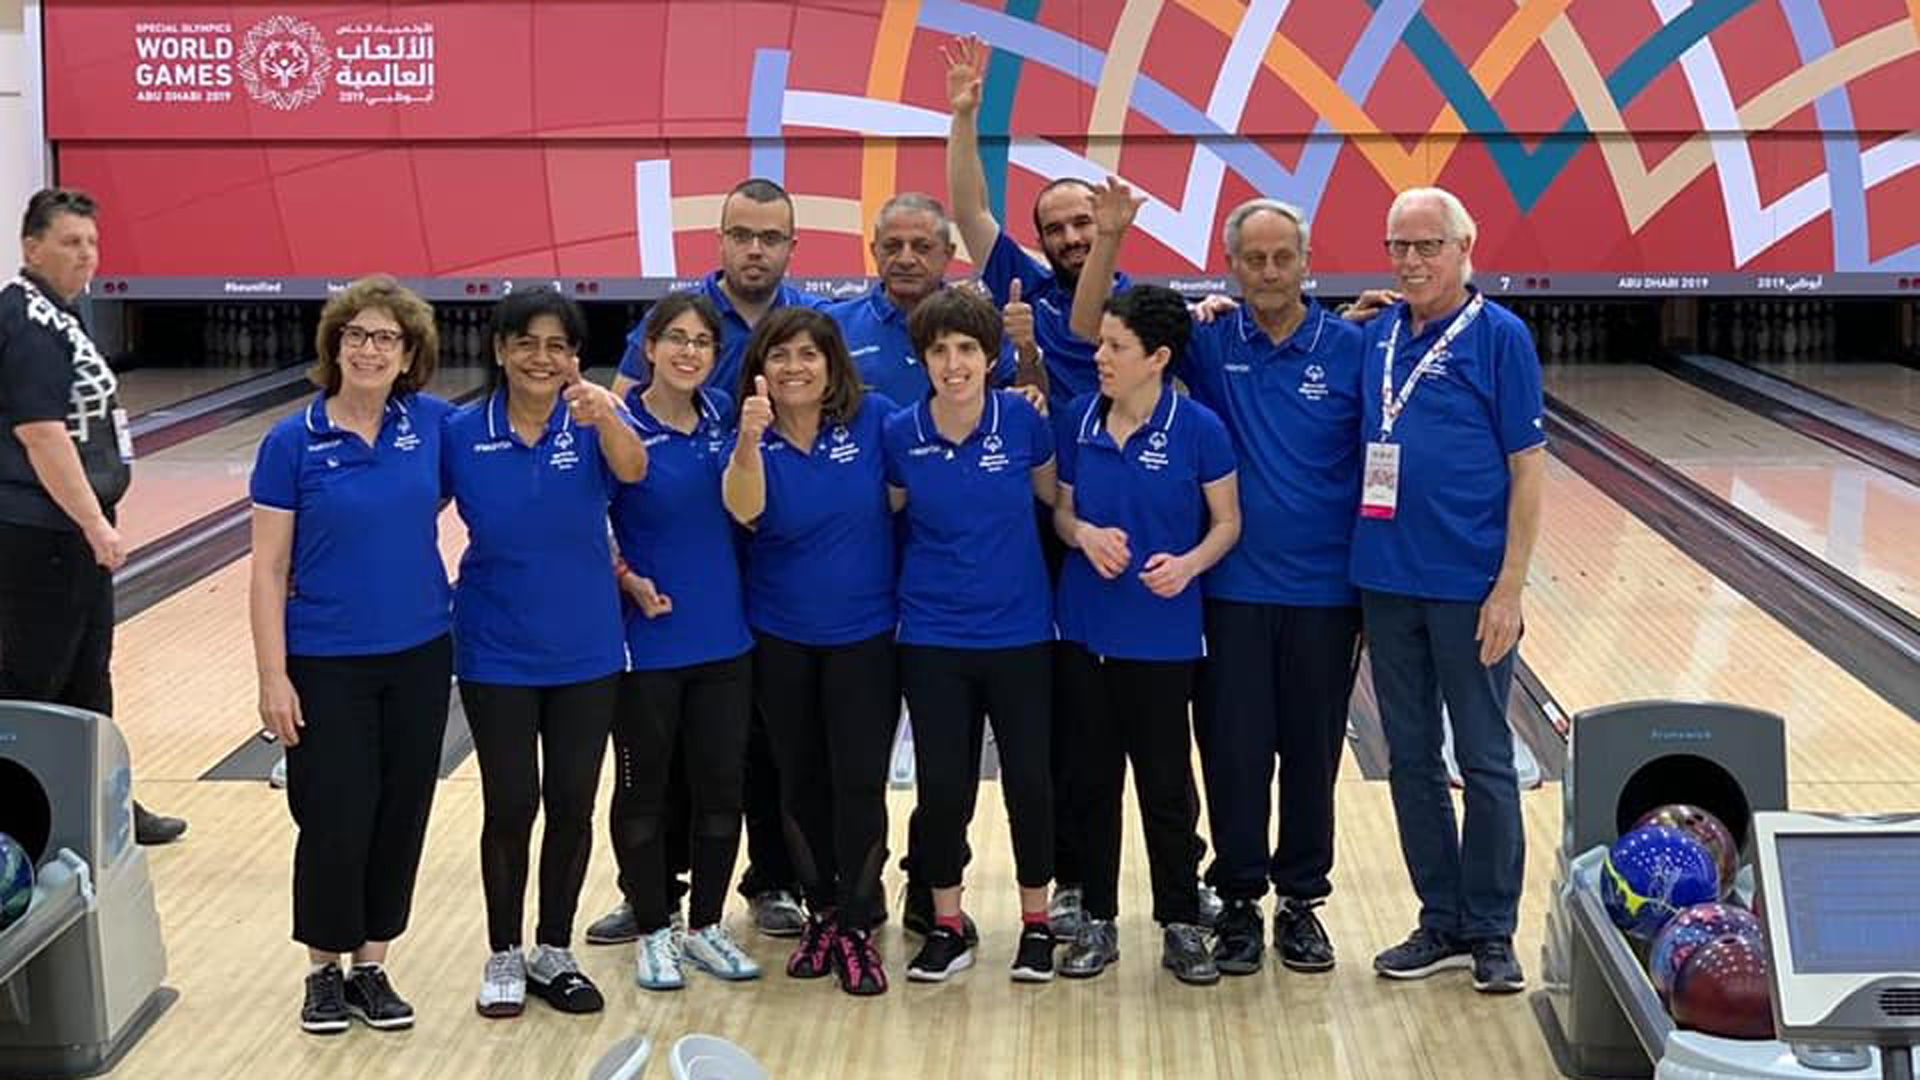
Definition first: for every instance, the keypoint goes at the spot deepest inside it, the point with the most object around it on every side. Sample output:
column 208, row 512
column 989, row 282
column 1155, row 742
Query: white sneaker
column 657, row 959
column 277, row 776
column 503, row 990
column 713, row 950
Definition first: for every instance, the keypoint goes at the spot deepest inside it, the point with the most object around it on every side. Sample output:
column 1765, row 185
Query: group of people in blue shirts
column 1041, row 532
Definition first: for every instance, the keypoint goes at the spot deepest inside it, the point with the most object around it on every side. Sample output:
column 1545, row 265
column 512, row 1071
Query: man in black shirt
column 61, row 472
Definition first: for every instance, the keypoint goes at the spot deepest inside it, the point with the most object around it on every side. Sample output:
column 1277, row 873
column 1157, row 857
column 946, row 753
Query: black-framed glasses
column 740, row 236
column 1426, row 249
column 679, row 340
column 359, row 337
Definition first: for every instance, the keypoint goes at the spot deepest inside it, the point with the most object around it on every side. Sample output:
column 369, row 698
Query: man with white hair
column 1449, row 511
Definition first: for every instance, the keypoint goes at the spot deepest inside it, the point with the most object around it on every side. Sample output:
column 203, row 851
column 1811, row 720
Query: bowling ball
column 1722, row 989
column 1706, row 828
column 1651, row 873
column 1691, row 929
column 16, row 881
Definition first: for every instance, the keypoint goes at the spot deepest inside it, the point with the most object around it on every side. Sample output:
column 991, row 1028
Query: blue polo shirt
column 536, row 603
column 1069, row 357
column 877, row 339
column 1293, row 410
column 673, row 528
column 1481, row 403
column 820, row 567
column 1150, row 489
column 734, row 333
column 367, row 575
column 971, row 572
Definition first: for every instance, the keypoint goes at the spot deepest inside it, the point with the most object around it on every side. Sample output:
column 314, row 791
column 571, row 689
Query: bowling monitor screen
column 1852, row 901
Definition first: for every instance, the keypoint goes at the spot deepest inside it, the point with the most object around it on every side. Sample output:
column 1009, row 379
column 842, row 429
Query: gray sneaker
column 1188, row 956
column 1091, row 950
column 1210, row 906
column 616, row 927
column 1067, row 912
column 777, row 913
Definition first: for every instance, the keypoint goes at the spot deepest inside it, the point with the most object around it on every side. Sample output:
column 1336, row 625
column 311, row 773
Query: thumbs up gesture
column 756, row 413
column 590, row 403
column 1017, row 317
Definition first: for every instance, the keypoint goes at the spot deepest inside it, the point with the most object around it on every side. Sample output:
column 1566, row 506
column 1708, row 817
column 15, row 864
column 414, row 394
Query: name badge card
column 1380, row 491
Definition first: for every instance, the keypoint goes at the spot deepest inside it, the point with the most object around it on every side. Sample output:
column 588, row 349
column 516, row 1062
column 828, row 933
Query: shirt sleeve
column 1215, row 451
column 893, row 449
column 1039, row 431
column 1066, row 441
column 1518, row 403
column 276, row 472
column 633, row 362
column 39, row 375
column 1004, row 263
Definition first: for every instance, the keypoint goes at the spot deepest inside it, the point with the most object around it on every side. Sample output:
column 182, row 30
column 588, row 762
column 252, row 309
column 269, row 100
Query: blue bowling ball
column 16, row 881
column 1691, row 929
column 1651, row 873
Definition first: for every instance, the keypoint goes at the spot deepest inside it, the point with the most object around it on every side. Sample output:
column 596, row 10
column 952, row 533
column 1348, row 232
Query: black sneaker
column 1033, row 960
column 1495, row 971
column 616, row 927
column 1422, row 954
column 856, row 963
column 916, row 914
column 150, row 828
column 944, row 953
column 1184, row 952
column 1239, row 938
column 555, row 978
column 1299, row 938
column 325, row 1010
column 371, row 998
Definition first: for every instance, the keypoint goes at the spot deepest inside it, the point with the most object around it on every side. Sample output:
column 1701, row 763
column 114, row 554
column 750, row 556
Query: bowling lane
column 1891, row 390
column 1617, row 613
column 185, row 482
column 1854, row 517
column 147, row 388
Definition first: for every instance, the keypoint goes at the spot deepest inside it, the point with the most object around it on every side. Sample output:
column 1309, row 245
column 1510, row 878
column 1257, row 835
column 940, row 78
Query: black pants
column 1133, row 710
column 1069, row 858
column 56, row 619
column 952, row 693
column 516, row 729
column 1277, row 681
column 697, row 715
column 360, row 785
column 830, row 713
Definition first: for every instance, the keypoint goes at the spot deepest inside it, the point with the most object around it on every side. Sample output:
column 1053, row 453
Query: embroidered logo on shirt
column 992, row 443
column 1237, row 369
column 1315, row 386
column 862, row 351
column 490, row 447
column 564, row 440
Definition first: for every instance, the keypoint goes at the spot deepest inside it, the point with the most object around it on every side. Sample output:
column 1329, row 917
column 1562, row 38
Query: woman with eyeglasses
column 690, row 693
column 539, row 645
column 349, row 607
column 806, row 476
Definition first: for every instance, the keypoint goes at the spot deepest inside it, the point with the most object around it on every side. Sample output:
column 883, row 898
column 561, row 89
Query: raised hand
column 966, row 58
column 590, row 403
column 1370, row 303
column 1034, row 395
column 1212, row 306
column 1114, row 206
column 1017, row 317
column 1106, row 548
column 1167, row 575
column 756, row 413
column 650, row 600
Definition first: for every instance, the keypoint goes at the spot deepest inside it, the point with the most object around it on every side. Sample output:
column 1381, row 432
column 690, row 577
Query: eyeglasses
column 357, row 337
column 768, row 238
column 1427, row 249
column 681, row 341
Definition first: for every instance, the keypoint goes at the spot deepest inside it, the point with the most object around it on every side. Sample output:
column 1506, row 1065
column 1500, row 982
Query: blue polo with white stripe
column 877, row 339
column 536, row 603
column 367, row 575
column 1069, row 357
column 734, row 333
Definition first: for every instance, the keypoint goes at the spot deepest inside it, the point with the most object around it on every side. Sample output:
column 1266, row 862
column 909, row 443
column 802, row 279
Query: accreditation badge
column 1380, row 490
column 123, row 434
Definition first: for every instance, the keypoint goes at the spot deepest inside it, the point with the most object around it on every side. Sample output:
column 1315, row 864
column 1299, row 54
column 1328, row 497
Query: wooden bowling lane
column 1891, row 390
column 1856, row 518
column 146, row 388
column 1615, row 613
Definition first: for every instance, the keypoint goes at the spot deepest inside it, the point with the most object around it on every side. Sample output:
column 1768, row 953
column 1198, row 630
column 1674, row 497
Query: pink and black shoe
column 856, row 963
column 813, row 959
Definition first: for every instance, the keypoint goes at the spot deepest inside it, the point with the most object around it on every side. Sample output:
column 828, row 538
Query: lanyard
column 1391, row 406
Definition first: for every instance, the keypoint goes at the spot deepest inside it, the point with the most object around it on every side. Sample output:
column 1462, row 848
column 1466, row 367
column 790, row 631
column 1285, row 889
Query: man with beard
column 912, row 244
column 756, row 243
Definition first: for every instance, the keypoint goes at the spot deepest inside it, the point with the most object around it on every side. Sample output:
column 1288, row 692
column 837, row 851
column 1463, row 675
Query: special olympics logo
column 284, row 62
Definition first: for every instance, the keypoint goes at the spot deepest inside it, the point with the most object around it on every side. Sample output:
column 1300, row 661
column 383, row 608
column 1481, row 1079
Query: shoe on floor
column 856, row 963
column 1299, row 938
column 813, row 957
column 1239, row 938
column 277, row 776
column 1210, row 906
column 324, row 1012
column 1424, row 953
column 150, row 828
column 1033, row 957
column 1184, row 952
column 916, row 914
column 1495, row 970
column 777, row 913
column 372, row 998
column 656, row 960
column 942, row 955
column 616, row 927
column 555, row 978
column 503, row 988
column 713, row 950
column 1067, row 912
column 1092, row 951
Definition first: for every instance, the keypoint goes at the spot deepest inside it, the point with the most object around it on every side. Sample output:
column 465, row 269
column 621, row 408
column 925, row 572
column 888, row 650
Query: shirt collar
column 924, row 430
column 1403, row 313
column 46, row 289
column 1094, row 430
column 1305, row 337
column 708, row 413
column 499, row 427
column 319, row 423
column 783, row 296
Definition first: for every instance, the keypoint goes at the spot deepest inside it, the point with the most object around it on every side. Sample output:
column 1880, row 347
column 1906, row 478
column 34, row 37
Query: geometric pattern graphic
column 1586, row 135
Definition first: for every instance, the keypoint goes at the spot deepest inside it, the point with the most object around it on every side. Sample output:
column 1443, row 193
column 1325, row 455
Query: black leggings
column 830, row 713
column 515, row 729
column 360, row 785
column 951, row 693
column 698, row 715
column 1133, row 710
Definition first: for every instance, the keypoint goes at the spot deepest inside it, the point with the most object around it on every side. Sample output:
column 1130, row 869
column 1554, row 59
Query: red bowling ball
column 1723, row 990
column 1707, row 829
